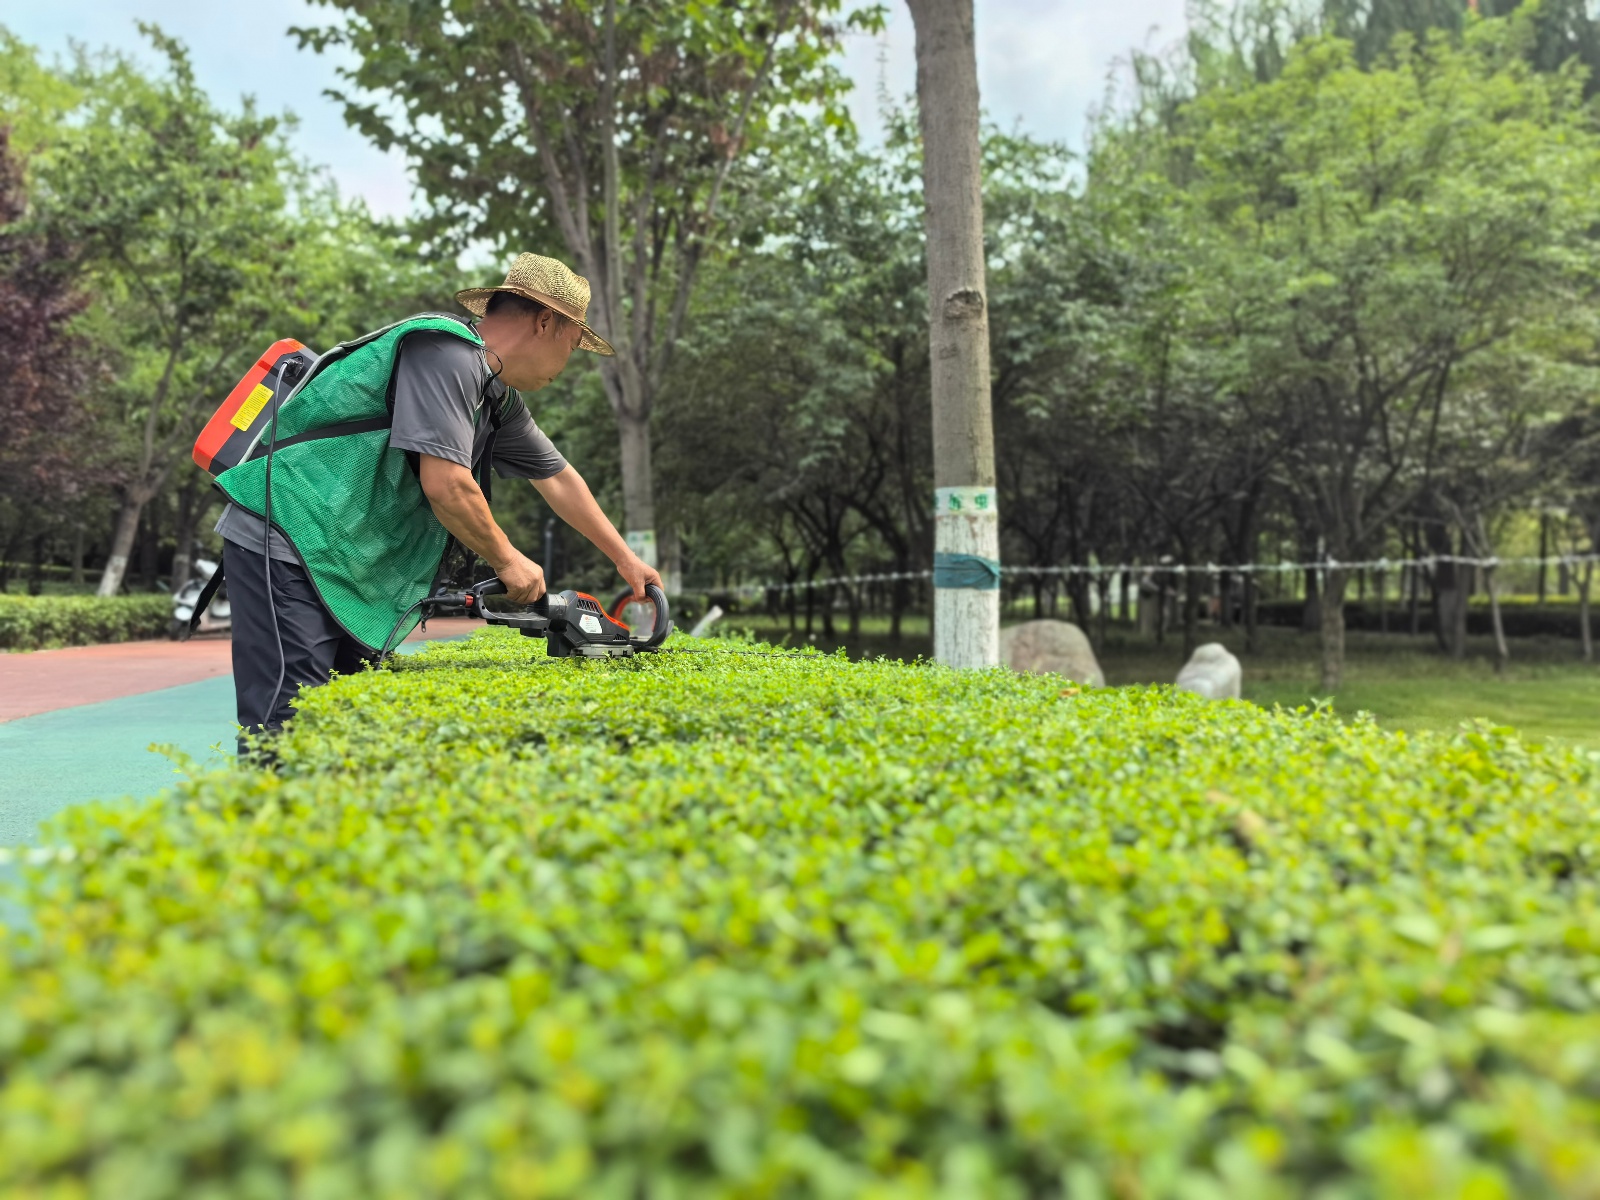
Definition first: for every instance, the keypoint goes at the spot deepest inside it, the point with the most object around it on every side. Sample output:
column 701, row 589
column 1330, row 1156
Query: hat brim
column 476, row 301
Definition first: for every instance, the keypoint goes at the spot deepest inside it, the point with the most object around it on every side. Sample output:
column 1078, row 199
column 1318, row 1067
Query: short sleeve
column 521, row 449
column 438, row 386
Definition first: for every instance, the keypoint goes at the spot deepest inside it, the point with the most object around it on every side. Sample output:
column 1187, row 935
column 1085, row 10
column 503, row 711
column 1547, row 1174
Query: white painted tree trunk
column 121, row 547
column 966, row 619
column 638, row 497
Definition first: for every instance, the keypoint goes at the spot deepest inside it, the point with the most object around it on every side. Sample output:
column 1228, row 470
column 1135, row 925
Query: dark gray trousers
column 314, row 644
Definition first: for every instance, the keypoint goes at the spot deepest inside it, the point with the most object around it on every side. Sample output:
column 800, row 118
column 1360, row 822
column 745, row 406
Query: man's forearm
column 458, row 502
column 569, row 497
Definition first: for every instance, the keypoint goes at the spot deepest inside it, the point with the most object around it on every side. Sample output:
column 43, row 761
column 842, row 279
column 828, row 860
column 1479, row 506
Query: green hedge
column 42, row 622
column 1518, row 619
column 712, row 923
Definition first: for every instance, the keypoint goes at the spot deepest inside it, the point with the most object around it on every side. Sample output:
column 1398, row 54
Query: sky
column 1042, row 64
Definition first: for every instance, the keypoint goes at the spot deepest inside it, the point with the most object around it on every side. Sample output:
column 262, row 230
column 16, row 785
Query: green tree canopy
column 609, row 130
column 201, row 239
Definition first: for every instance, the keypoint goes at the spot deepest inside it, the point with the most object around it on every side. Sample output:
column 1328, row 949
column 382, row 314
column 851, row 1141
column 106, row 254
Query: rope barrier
column 1098, row 569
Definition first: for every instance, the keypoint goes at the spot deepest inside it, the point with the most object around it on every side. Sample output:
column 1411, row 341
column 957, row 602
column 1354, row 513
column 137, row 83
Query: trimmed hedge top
column 45, row 622
column 732, row 923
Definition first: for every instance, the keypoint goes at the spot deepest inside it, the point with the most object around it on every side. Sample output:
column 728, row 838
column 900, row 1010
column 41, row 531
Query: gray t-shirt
column 440, row 384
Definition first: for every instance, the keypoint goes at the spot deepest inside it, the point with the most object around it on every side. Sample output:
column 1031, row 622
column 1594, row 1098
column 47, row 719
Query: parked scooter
column 218, row 617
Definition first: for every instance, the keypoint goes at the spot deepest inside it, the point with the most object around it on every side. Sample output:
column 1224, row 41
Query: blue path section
column 100, row 750
column 72, row 755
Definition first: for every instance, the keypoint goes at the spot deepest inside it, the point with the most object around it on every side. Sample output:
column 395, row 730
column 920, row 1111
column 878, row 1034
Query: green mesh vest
column 350, row 505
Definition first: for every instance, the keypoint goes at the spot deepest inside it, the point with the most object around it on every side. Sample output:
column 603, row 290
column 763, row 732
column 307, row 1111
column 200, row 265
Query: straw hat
column 550, row 283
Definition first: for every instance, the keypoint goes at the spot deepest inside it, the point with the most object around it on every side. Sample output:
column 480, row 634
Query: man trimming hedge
column 384, row 449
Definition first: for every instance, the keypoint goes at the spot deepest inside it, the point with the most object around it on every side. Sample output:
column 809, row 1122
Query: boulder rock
column 1051, row 647
column 1211, row 672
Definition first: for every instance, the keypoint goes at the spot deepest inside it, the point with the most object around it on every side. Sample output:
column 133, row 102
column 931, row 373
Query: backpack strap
column 343, row 429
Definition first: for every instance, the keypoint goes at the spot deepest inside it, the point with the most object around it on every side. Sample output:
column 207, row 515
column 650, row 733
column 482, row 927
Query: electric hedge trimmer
column 573, row 624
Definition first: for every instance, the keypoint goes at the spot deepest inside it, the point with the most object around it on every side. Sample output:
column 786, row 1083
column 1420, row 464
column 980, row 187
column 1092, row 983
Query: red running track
column 40, row 681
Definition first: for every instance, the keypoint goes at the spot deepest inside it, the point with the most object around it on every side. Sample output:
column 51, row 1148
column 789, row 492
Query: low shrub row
column 722, row 922
column 42, row 622
column 1528, row 619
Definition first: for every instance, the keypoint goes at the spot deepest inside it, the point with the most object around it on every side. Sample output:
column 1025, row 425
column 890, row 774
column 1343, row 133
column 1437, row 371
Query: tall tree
column 201, row 240
column 966, row 595
column 176, row 208
column 612, row 128
column 33, row 98
column 43, row 369
column 1365, row 235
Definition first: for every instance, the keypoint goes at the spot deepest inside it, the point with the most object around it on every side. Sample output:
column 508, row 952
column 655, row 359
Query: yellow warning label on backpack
column 252, row 406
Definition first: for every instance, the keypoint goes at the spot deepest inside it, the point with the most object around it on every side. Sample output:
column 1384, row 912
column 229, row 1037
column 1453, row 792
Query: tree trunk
column 150, row 545
column 1160, row 600
column 1192, row 584
column 966, row 616
column 13, row 540
column 1502, row 652
column 1125, row 597
column 1416, row 599
column 1544, row 553
column 1252, row 616
column 1078, row 593
column 1482, row 549
column 1452, row 594
column 121, row 544
column 36, row 567
column 193, row 504
column 1311, row 615
column 671, row 563
column 77, row 555
column 1383, row 601
column 1332, row 626
column 1102, row 585
column 1585, row 633
column 1450, row 608
column 1452, row 590
column 638, row 497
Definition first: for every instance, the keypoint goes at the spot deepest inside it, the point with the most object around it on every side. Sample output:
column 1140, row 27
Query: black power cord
column 266, row 551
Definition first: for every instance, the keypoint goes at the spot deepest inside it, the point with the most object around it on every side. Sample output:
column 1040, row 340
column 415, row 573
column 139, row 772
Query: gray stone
column 1046, row 647
column 1211, row 672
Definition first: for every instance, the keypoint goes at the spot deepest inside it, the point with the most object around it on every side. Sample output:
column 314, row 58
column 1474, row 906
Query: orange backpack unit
column 238, row 425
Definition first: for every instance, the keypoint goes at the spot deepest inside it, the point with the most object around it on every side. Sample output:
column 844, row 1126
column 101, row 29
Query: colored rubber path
column 92, row 713
column 45, row 680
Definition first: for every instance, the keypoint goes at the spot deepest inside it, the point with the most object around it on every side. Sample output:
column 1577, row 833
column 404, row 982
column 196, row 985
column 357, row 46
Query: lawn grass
column 1545, row 692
